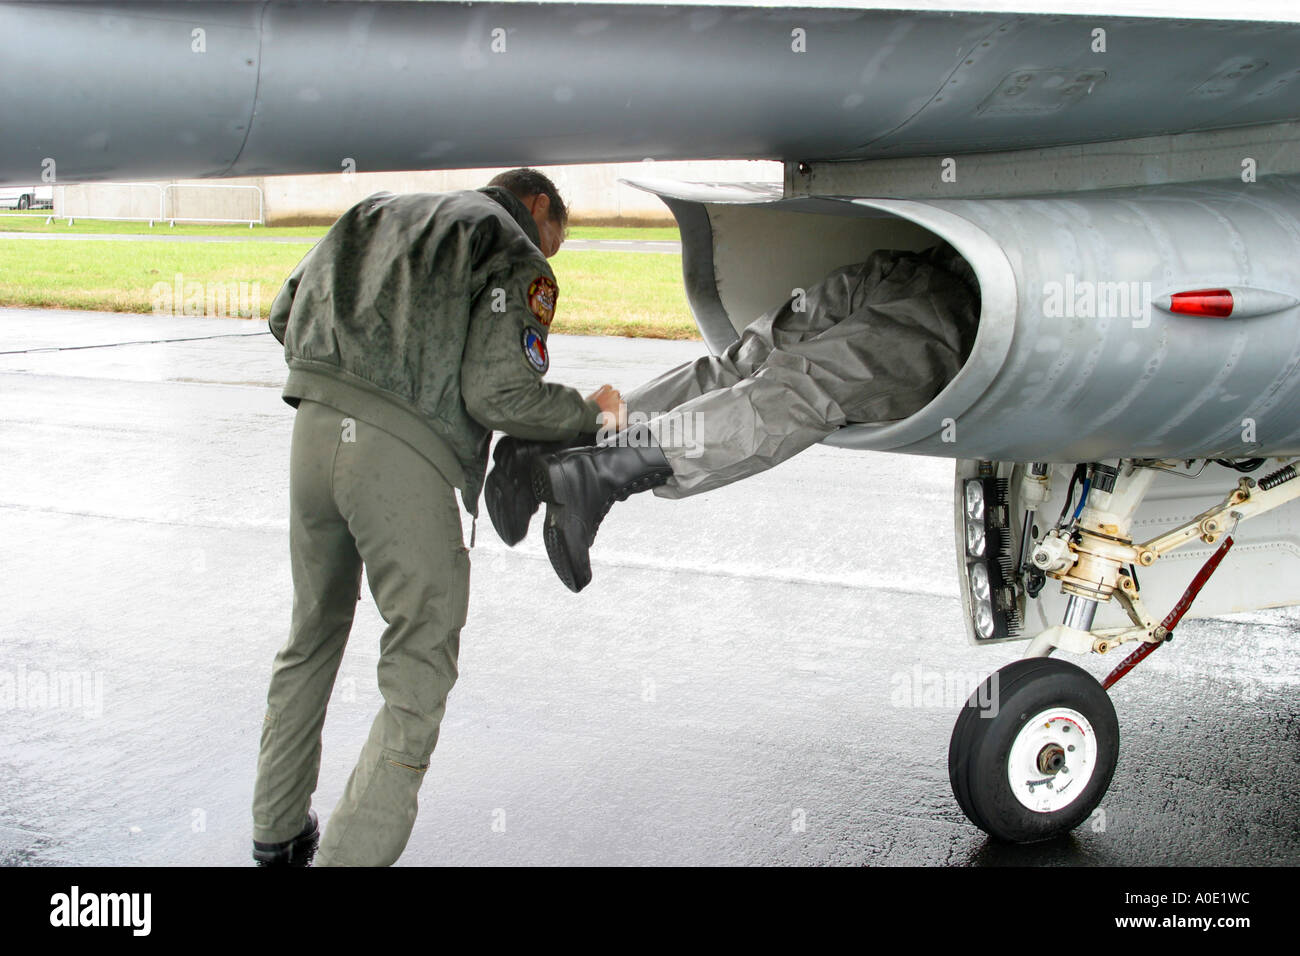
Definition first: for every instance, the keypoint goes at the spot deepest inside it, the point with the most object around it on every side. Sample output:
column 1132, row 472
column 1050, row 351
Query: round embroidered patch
column 542, row 294
column 535, row 350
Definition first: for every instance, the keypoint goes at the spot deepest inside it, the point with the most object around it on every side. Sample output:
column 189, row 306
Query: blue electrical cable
column 1083, row 499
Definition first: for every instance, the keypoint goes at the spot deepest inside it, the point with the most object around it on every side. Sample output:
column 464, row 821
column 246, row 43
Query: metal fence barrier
column 157, row 202
column 172, row 196
column 110, row 202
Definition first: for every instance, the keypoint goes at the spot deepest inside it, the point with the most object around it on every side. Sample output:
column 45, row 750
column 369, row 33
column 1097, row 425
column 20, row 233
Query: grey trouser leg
column 871, row 342
column 679, row 385
column 404, row 523
column 726, row 417
column 733, row 433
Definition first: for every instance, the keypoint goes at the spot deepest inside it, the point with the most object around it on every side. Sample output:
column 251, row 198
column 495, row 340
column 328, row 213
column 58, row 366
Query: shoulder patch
column 542, row 294
column 535, row 350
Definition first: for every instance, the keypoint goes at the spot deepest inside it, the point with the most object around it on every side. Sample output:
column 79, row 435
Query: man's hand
column 613, row 413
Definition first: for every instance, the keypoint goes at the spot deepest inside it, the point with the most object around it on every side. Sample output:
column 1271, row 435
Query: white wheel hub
column 1052, row 759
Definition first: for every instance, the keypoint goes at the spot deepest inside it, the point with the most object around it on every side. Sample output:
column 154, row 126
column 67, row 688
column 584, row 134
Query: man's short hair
column 527, row 183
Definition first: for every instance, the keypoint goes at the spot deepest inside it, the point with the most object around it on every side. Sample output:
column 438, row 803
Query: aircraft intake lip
column 1077, row 355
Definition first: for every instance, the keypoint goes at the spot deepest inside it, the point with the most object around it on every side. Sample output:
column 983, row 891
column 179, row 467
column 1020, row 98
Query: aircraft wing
column 213, row 89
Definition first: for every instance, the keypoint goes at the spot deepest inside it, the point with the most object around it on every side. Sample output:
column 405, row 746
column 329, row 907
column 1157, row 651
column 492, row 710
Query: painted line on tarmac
column 113, row 345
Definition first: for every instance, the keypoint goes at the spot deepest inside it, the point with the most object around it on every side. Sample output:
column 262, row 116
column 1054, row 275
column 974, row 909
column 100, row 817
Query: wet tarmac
column 753, row 677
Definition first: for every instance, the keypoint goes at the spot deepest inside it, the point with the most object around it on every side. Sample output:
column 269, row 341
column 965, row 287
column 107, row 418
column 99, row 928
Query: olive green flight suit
column 414, row 328
column 360, row 495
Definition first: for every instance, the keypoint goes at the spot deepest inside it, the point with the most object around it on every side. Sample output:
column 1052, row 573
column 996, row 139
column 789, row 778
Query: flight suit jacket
column 427, row 315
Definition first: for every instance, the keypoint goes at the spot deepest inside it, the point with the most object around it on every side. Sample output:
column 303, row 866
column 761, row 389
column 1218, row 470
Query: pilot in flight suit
column 871, row 342
column 414, row 328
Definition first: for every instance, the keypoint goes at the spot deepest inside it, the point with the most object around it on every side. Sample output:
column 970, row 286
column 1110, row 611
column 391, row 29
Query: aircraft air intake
column 1151, row 322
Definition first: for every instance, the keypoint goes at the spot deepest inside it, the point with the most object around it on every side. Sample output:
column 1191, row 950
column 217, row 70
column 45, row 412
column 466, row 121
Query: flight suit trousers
column 359, row 496
column 872, row 342
column 728, row 416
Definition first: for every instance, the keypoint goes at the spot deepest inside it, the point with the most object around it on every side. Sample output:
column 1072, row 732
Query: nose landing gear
column 1034, row 749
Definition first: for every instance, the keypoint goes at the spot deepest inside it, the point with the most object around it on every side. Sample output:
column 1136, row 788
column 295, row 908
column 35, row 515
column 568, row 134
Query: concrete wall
column 593, row 193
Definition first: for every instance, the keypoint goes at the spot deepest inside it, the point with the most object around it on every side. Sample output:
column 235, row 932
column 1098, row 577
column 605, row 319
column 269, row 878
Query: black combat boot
column 580, row 486
column 509, row 486
column 296, row 852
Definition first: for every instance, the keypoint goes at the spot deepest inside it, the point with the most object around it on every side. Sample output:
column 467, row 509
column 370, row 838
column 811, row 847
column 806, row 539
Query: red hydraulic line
column 1174, row 616
column 1127, row 664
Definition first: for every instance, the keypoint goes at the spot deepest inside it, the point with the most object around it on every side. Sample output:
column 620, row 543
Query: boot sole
column 499, row 511
column 509, row 531
column 540, row 479
column 559, row 555
column 544, row 490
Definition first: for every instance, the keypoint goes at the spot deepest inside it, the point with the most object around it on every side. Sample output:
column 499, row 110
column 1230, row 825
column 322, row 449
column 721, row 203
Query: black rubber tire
column 980, row 747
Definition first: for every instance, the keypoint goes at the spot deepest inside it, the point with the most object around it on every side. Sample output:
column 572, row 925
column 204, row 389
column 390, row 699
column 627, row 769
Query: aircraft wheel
column 1033, row 750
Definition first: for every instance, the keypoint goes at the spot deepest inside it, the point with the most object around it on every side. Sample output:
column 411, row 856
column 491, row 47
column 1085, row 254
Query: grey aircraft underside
column 1127, row 190
column 296, row 88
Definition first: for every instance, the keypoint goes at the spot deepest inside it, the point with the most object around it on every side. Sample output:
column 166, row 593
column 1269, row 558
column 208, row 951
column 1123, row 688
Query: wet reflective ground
column 765, row 674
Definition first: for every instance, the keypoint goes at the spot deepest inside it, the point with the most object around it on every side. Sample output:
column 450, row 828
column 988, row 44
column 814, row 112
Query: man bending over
column 872, row 342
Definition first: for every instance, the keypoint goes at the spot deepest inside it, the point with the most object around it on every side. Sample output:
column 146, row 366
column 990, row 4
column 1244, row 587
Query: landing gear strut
column 1034, row 748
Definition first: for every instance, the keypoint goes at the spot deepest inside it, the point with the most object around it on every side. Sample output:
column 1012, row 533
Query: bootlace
column 644, row 483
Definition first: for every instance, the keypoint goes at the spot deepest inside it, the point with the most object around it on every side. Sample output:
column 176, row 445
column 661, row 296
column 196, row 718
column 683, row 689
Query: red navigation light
column 1215, row 302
